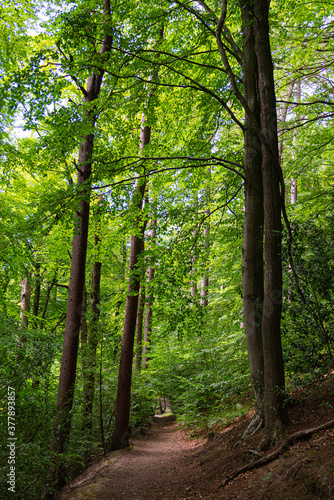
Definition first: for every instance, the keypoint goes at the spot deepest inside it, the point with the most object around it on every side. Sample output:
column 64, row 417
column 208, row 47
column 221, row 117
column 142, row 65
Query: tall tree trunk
column 252, row 261
column 121, row 299
column 37, row 293
column 252, row 249
column 149, row 299
column 35, row 308
column 294, row 181
column 141, row 307
column 139, row 329
column 120, row 437
column 25, row 308
column 46, row 302
column 275, row 412
column 62, row 424
column 283, row 115
column 206, row 238
column 84, row 335
column 25, row 303
column 92, row 342
column 92, row 333
column 193, row 282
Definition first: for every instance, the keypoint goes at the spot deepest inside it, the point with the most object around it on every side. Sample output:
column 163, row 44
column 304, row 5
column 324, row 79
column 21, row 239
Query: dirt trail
column 159, row 465
column 166, row 464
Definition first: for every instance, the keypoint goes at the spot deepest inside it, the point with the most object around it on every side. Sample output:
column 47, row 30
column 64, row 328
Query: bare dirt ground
column 167, row 464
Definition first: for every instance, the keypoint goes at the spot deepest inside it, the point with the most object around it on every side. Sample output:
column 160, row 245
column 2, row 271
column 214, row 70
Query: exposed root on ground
column 283, row 448
column 254, row 426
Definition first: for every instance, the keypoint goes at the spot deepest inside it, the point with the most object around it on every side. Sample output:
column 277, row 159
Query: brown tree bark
column 252, row 249
column 139, row 329
column 90, row 345
column 62, row 423
column 84, row 334
column 150, row 298
column 276, row 416
column 92, row 331
column 120, row 438
column 257, row 12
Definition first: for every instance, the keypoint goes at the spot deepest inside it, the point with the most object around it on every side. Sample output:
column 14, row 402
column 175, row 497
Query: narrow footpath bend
column 159, row 465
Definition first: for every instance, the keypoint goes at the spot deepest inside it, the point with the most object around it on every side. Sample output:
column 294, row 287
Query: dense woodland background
column 138, row 112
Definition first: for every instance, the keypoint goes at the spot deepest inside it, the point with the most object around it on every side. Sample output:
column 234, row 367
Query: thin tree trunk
column 121, row 300
column 283, row 116
column 46, row 302
column 25, row 308
column 276, row 416
column 120, row 437
column 93, row 333
column 139, row 329
column 25, row 304
column 84, row 335
column 193, row 283
column 206, row 237
column 294, row 181
column 62, row 424
column 92, row 342
column 84, row 348
column 141, row 308
column 35, row 309
column 37, row 293
column 149, row 300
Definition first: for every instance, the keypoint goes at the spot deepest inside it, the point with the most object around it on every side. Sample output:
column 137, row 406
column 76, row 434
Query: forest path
column 159, row 465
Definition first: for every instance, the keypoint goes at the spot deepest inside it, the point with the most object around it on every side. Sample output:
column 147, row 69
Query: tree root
column 254, row 426
column 283, row 448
